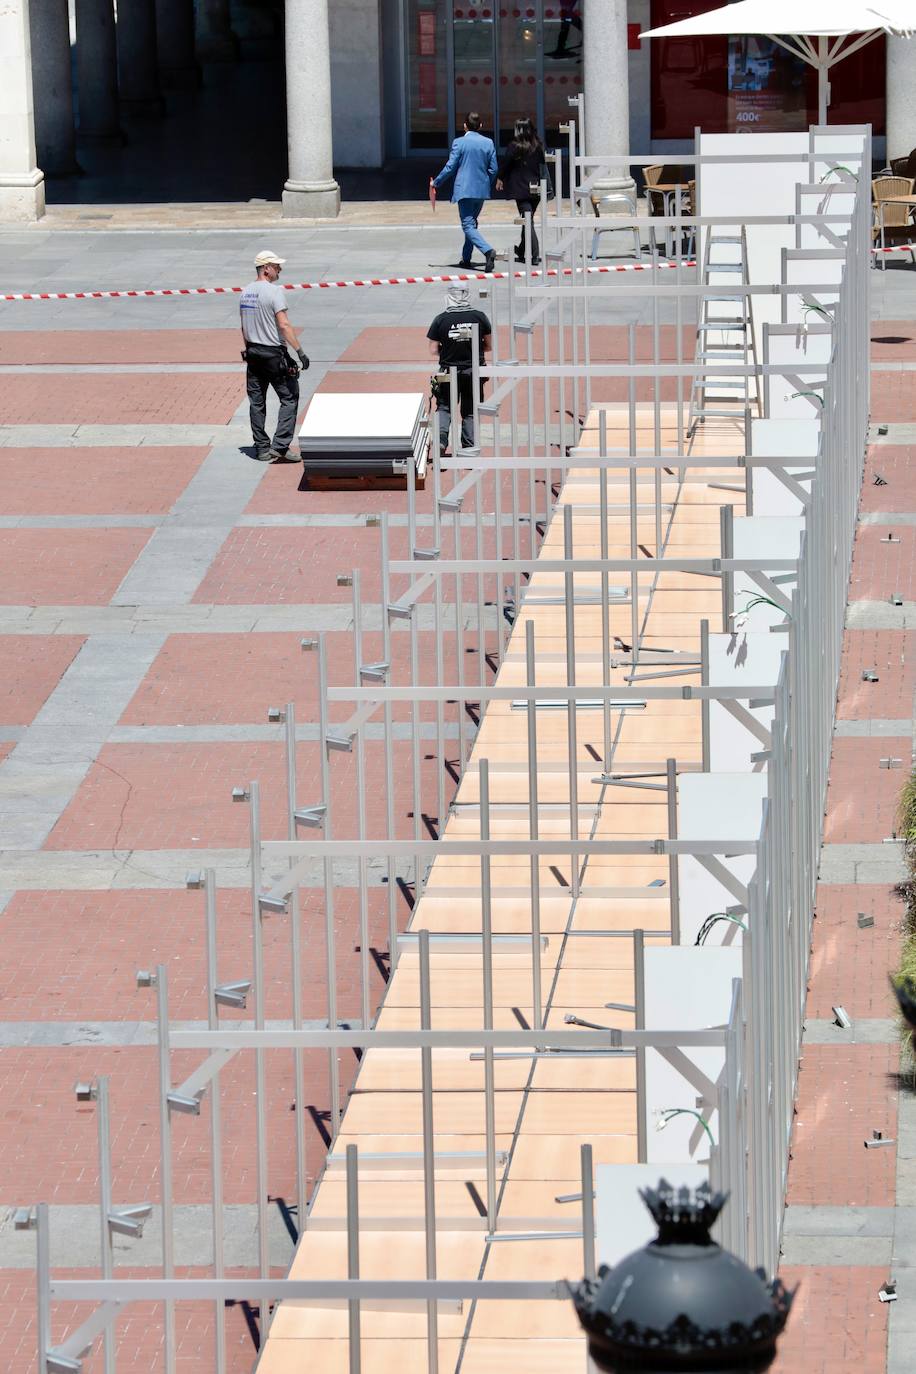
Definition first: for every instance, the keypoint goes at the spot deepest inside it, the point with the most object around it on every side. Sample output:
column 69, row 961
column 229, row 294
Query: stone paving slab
column 862, row 794
column 30, row 669
column 65, row 567
column 110, row 481
column 197, row 347
column 151, row 398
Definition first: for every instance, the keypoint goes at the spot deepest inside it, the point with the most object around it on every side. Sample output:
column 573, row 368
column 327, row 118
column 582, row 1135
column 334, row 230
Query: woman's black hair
column 525, row 137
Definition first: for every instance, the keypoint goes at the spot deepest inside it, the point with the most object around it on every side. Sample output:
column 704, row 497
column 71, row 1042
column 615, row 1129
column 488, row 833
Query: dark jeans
column 466, row 406
column 269, row 366
column 523, row 207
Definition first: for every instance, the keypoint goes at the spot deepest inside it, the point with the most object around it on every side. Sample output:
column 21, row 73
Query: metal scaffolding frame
column 501, row 503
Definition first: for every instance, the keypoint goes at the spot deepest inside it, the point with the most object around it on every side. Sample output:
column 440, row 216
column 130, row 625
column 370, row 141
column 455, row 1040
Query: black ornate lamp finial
column 682, row 1303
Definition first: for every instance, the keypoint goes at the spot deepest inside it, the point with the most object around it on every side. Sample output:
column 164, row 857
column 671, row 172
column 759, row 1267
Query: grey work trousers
column 270, row 366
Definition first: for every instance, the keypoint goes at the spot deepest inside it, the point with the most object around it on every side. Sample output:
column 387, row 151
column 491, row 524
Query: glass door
column 505, row 60
column 474, row 37
column 520, row 65
column 563, row 29
column 428, row 43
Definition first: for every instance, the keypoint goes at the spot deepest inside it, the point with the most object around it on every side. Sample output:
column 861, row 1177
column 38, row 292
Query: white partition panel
column 824, row 198
column 690, row 988
column 760, row 537
column 760, row 189
column 782, row 438
column 733, row 660
column 716, row 806
column 622, row 1220
column 798, row 343
column 821, row 266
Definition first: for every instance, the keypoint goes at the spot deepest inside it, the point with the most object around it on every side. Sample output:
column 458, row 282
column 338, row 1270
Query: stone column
column 138, row 73
column 606, row 85
column 901, row 96
column 52, row 87
column 97, row 72
column 215, row 41
column 311, row 189
column 178, row 69
column 22, row 188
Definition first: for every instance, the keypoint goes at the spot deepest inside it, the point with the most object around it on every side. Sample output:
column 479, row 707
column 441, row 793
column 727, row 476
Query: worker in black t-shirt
column 451, row 341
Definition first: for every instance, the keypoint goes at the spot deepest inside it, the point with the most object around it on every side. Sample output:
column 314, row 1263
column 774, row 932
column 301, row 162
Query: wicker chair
column 886, row 188
column 892, row 222
column 904, row 166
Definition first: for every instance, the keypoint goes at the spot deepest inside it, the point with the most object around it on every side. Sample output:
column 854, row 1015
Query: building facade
column 368, row 81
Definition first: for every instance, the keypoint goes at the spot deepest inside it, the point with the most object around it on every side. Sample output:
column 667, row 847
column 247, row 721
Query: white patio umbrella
column 840, row 28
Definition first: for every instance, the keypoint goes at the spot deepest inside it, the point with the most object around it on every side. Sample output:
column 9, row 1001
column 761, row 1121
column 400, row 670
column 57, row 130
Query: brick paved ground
column 65, row 567
column 71, row 955
column 103, row 481
column 30, row 669
column 849, row 1090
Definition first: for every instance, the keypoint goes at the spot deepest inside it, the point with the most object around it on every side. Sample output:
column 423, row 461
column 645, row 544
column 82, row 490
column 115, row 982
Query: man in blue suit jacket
column 472, row 163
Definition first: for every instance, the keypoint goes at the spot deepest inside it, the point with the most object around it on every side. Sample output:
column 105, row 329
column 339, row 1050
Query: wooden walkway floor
column 544, row 1110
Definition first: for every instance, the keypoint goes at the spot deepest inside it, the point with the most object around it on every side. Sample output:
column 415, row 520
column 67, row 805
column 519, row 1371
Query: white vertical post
column 165, row 1160
column 254, row 793
column 429, row 1158
column 22, row 191
column 216, row 1139
column 486, row 928
column 310, row 188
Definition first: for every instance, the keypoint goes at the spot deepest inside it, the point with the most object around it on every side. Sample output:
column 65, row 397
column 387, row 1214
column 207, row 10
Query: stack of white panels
column 364, row 433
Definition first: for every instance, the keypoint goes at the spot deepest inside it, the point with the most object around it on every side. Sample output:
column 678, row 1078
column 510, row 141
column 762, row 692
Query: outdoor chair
column 615, row 203
column 660, row 203
column 892, row 222
column 904, row 166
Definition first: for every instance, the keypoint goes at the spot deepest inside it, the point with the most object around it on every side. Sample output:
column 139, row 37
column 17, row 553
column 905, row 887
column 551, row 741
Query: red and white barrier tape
column 322, row 285
column 364, row 281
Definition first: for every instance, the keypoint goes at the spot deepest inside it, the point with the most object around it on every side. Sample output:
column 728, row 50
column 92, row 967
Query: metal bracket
column 311, row 815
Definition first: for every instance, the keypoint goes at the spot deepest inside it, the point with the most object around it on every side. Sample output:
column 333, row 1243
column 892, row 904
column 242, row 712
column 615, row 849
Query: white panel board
column 760, row 537
column 689, row 988
column 758, row 188
column 716, row 806
column 792, row 347
column 622, row 1220
column 827, row 198
column 734, row 660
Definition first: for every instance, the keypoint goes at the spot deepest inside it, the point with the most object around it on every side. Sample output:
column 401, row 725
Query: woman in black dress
column 519, row 171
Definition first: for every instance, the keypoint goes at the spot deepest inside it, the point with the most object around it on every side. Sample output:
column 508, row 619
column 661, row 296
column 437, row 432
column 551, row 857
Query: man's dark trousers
column 269, row 366
column 465, row 405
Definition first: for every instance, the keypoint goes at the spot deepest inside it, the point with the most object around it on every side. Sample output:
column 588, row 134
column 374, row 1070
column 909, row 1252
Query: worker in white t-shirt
column 267, row 331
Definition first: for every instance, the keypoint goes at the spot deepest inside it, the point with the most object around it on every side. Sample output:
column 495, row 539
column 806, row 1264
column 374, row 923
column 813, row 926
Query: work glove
column 303, row 360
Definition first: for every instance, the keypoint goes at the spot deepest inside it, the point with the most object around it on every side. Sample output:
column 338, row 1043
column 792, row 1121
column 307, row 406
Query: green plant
column 906, row 821
column 838, row 169
column 906, row 972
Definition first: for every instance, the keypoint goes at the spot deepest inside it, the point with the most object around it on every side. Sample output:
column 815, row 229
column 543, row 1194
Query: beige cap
column 267, row 256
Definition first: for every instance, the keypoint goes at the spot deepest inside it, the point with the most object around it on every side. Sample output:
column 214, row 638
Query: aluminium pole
column 216, row 1143
column 486, row 922
column 254, row 819
column 353, row 1306
column 165, row 1160
column 103, row 1121
column 388, row 717
column 296, row 963
column 330, row 934
column 361, row 786
column 533, row 828
column 429, row 1160
column 572, row 744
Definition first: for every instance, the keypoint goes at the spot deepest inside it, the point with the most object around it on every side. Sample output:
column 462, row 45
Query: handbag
column 544, row 175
